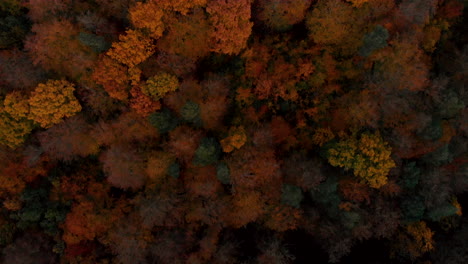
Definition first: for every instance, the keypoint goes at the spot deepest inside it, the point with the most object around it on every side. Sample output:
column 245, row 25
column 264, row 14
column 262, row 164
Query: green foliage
column 444, row 210
column 174, row 170
column 291, row 195
column 191, row 113
column 411, row 175
column 97, row 43
column 54, row 214
column 433, row 131
column 13, row 29
column 440, row 156
column 450, row 105
column 208, row 152
column 350, row 219
column 7, row 232
column 163, row 120
column 39, row 211
column 374, row 40
column 326, row 193
column 413, row 208
column 222, row 173
column 33, row 208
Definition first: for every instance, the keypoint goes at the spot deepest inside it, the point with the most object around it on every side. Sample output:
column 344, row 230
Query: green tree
column 191, row 113
column 222, row 173
column 97, row 43
column 163, row 120
column 208, row 152
column 374, row 40
column 291, row 195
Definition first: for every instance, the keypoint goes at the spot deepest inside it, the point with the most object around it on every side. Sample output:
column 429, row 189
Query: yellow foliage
column 236, row 139
column 14, row 125
column 51, row 102
column 322, row 136
column 369, row 157
column 132, row 48
column 16, row 105
column 13, row 131
column 159, row 85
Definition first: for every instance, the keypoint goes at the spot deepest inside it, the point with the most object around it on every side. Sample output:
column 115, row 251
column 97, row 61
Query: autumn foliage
column 233, row 131
column 52, row 101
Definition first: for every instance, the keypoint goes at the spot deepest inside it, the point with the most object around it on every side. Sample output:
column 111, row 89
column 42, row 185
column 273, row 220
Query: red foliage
column 183, row 141
column 141, row 103
column 55, row 46
column 124, row 167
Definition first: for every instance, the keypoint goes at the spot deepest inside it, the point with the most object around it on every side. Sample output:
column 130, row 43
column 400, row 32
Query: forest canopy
column 233, row 131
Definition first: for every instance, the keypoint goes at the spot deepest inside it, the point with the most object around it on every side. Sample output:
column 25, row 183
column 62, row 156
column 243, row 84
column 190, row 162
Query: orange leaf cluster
column 232, row 26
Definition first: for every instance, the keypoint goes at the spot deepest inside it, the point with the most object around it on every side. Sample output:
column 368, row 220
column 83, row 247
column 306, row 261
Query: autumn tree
column 14, row 122
column 124, row 167
column 337, row 24
column 159, row 85
column 148, row 16
column 231, row 22
column 50, row 102
column 142, row 103
column 69, row 139
column 43, row 10
column 187, row 36
column 404, row 66
column 112, row 76
column 368, row 156
column 183, row 142
column 50, row 48
column 235, row 140
column 415, row 241
column 247, row 208
column 182, row 7
column 282, row 15
column 86, row 221
column 18, row 72
column 132, row 48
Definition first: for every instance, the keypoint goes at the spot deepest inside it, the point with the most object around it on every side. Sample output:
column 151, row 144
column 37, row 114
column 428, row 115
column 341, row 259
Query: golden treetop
column 50, row 102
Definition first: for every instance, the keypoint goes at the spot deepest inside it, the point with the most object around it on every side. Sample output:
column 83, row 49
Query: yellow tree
column 50, row 102
column 368, row 156
column 159, row 85
column 14, row 124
